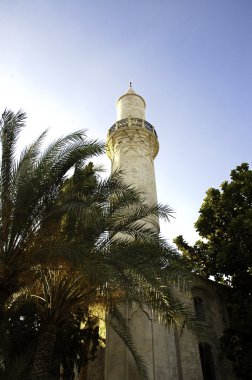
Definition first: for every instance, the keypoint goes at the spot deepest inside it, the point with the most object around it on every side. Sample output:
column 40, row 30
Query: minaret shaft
column 132, row 145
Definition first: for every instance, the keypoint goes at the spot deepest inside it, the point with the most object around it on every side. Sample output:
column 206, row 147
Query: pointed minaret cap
column 130, row 90
column 130, row 105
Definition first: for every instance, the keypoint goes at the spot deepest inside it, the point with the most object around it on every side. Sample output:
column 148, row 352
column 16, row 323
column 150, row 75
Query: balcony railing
column 133, row 122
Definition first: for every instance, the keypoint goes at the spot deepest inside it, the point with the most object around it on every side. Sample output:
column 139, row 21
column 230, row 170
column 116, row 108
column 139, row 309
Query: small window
column 199, row 309
column 206, row 358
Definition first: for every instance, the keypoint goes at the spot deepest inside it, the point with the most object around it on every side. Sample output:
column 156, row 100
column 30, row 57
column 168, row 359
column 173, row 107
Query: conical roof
column 130, row 92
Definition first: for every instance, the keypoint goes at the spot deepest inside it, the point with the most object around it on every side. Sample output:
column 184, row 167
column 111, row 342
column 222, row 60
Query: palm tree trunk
column 44, row 353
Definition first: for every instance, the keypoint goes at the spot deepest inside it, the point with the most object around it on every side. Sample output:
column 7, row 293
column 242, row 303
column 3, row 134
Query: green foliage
column 18, row 331
column 29, row 189
column 77, row 343
column 197, row 258
column 236, row 342
column 225, row 224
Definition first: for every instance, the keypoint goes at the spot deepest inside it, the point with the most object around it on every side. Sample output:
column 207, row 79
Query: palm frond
column 10, row 127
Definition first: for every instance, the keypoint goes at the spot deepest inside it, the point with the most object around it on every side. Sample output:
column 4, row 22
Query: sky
column 65, row 63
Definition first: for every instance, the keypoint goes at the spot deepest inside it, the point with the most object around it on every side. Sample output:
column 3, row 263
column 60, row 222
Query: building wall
column 130, row 105
column 172, row 354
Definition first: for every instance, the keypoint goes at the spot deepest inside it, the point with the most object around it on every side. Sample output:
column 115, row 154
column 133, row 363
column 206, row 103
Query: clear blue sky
column 66, row 62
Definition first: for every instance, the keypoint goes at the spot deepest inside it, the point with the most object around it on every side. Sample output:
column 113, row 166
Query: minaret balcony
column 133, row 122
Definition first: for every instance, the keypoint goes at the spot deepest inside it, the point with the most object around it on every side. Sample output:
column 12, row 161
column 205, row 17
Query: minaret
column 132, row 145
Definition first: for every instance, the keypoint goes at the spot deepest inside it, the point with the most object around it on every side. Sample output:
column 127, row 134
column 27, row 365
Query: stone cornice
column 132, row 128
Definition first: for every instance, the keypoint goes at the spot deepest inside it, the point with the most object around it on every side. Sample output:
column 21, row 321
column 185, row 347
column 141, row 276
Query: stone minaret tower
column 132, row 145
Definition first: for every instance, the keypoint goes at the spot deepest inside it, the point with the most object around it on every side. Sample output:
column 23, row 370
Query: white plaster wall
column 140, row 323
column 130, row 105
column 132, row 152
column 153, row 341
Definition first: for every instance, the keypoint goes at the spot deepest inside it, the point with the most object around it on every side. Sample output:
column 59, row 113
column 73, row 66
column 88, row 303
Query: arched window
column 199, row 309
column 207, row 363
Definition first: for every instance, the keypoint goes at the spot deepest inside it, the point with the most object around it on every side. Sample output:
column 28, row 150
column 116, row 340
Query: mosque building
column 132, row 145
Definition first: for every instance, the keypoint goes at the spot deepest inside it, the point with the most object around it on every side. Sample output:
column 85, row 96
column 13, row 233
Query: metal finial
column 130, row 84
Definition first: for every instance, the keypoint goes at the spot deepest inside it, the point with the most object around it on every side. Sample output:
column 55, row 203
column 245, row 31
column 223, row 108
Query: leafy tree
column 225, row 224
column 236, row 342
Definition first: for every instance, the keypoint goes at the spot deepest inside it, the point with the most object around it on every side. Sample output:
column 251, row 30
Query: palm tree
column 29, row 188
column 108, row 259
column 71, row 241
